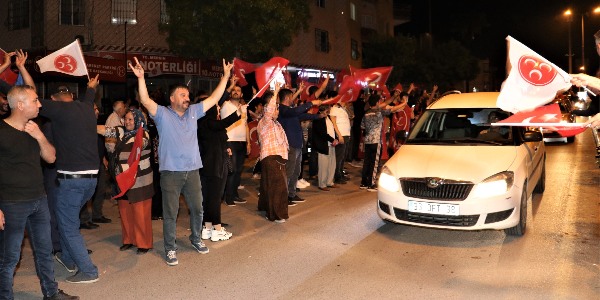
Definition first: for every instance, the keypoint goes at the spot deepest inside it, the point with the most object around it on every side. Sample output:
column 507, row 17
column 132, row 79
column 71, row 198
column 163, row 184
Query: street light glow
column 568, row 12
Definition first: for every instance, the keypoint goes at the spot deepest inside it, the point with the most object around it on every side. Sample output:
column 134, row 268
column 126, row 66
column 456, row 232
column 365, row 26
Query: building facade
column 112, row 32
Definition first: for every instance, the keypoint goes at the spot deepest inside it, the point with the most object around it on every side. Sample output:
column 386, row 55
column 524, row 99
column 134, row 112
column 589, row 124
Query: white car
column 455, row 171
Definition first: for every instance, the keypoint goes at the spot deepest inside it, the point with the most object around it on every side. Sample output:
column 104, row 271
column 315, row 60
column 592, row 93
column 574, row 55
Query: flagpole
column 577, row 125
column 82, row 57
column 266, row 85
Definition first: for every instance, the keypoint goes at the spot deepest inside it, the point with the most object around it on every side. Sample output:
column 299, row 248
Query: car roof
column 467, row 100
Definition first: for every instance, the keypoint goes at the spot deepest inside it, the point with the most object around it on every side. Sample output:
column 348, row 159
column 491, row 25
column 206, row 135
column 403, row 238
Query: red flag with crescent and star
column 254, row 145
column 532, row 81
column 267, row 71
column 126, row 179
column 547, row 116
column 240, row 69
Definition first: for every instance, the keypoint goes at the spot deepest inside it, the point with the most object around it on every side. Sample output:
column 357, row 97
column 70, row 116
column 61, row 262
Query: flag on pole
column 547, row 116
column 267, row 72
column 68, row 60
column 126, row 179
column 240, row 69
column 532, row 80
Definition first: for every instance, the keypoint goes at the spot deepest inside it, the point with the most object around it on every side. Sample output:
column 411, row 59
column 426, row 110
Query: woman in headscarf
column 136, row 204
column 212, row 135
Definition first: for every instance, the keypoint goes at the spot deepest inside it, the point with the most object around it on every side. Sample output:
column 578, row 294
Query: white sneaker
column 206, row 233
column 306, row 183
column 299, row 185
column 220, row 235
column 241, row 187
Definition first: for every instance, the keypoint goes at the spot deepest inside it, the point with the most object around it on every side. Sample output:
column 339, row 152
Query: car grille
column 450, row 190
column 457, row 221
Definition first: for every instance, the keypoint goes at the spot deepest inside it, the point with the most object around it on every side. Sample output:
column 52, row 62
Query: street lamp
column 569, row 14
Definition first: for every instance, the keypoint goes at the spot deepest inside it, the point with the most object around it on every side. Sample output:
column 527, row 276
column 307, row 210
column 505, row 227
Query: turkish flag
column 532, row 81
column 126, row 179
column 305, row 93
column 68, row 60
column 339, row 78
column 240, row 69
column 399, row 126
column 348, row 91
column 254, row 145
column 548, row 116
column 267, row 71
column 543, row 114
column 374, row 78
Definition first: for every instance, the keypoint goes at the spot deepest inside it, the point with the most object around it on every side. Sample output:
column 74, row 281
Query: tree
column 252, row 30
column 448, row 64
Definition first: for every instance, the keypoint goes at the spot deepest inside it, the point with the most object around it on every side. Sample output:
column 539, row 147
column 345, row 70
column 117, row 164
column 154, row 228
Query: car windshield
column 461, row 126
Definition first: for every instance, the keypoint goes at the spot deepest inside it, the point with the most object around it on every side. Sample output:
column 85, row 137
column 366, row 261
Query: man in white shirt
column 340, row 116
column 115, row 119
column 237, row 141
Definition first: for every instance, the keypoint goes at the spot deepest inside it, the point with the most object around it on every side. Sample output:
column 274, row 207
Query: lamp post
column 569, row 14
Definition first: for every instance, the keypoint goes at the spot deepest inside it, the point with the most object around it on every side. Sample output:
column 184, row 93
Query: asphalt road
column 334, row 246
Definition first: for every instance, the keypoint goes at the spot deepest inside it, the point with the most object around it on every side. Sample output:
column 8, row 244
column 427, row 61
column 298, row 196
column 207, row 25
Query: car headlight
column 494, row 185
column 388, row 181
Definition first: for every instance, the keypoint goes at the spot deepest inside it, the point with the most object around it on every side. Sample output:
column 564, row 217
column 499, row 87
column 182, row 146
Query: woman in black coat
column 212, row 136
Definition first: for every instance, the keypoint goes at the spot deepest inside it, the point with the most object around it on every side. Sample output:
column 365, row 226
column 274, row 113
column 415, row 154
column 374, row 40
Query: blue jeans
column 238, row 151
column 71, row 195
column 34, row 216
column 172, row 184
column 292, row 170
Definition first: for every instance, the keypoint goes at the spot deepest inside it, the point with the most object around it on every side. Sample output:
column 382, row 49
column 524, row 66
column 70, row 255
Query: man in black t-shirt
column 23, row 202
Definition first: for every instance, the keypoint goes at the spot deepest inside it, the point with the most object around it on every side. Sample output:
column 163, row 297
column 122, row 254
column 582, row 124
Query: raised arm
column 218, row 92
column 322, row 87
column 20, row 62
column 47, row 151
column 148, row 103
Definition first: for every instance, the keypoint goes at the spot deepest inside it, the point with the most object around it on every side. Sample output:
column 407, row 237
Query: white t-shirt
column 341, row 119
column 237, row 131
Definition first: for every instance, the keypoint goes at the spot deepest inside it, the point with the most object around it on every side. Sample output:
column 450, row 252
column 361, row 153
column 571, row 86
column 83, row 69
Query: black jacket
column 320, row 136
column 212, row 136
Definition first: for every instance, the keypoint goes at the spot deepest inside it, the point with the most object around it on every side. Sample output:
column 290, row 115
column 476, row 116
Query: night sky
column 483, row 25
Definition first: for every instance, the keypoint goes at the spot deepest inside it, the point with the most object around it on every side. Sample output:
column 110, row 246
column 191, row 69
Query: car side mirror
column 533, row 136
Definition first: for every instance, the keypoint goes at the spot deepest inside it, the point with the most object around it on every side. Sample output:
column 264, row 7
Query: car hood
column 469, row 163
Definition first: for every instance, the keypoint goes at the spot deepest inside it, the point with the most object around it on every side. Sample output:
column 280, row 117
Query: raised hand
column 21, row 58
column 137, row 69
column 227, row 66
column 94, row 82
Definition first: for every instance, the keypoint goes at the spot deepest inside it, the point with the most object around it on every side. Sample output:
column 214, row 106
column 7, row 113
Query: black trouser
column 340, row 157
column 212, row 191
column 238, row 151
column 369, row 164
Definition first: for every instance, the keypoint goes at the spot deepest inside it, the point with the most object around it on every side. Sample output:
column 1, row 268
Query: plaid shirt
column 271, row 135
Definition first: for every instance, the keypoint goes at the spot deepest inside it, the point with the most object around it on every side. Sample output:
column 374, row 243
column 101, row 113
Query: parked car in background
column 455, row 171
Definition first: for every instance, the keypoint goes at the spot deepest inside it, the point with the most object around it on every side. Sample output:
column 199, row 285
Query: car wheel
column 540, row 187
column 519, row 229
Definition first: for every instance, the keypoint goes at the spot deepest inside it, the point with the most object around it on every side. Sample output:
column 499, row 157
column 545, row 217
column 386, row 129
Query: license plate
column 433, row 208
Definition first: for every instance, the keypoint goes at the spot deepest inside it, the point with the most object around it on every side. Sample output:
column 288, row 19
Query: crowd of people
column 196, row 147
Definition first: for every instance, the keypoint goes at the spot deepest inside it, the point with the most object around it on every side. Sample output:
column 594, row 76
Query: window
column 354, row 49
column 321, row 40
column 320, row 3
column 72, row 12
column 164, row 16
column 124, row 11
column 18, row 14
column 368, row 22
column 353, row 11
